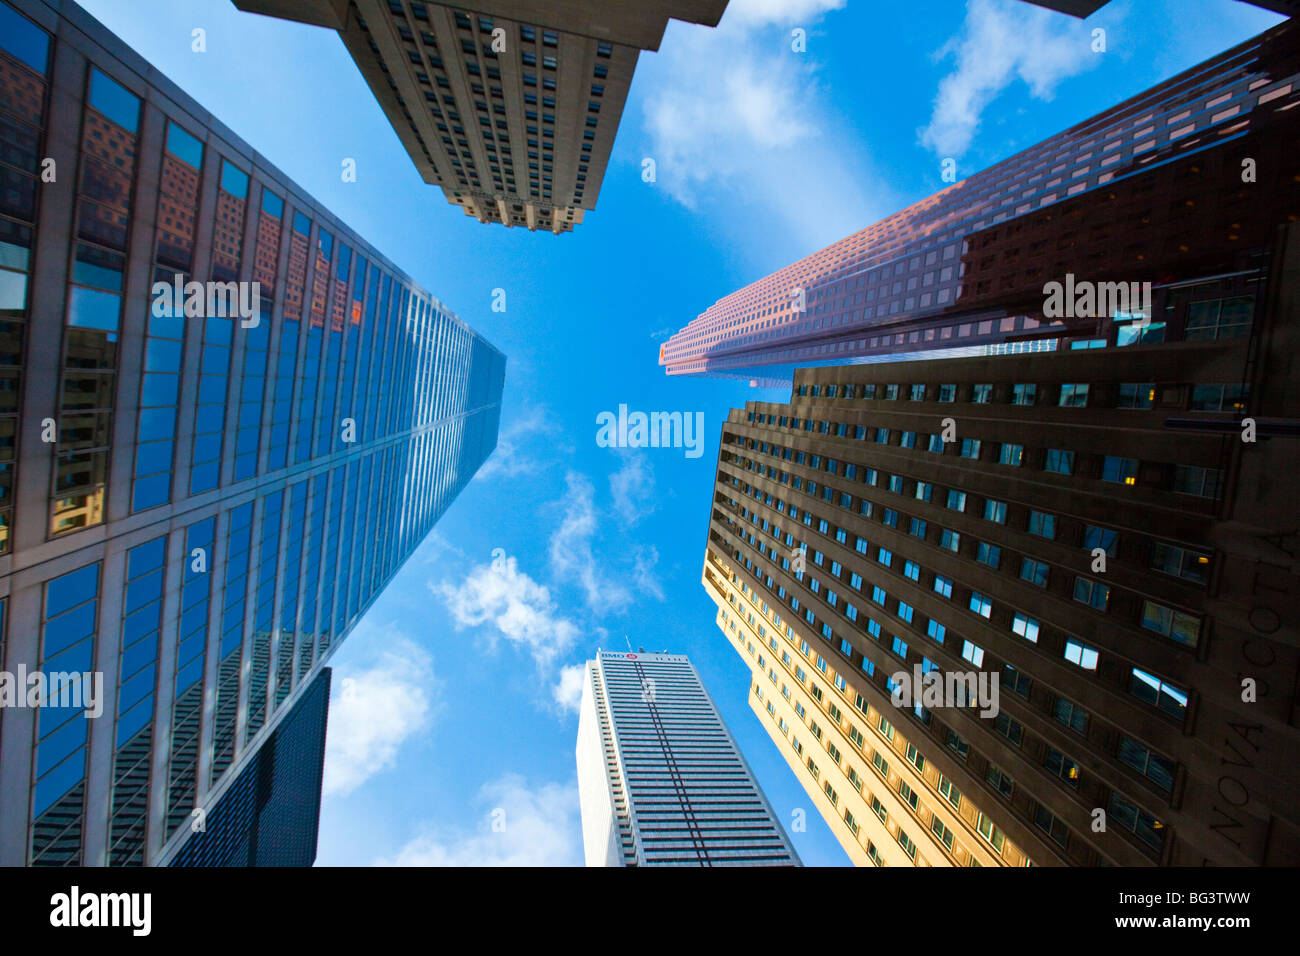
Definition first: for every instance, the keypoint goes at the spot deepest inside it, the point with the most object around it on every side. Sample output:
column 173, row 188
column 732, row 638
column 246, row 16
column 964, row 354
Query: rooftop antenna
column 629, row 643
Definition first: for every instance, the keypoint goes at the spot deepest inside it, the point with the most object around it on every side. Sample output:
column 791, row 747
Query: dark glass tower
column 198, row 499
column 270, row 816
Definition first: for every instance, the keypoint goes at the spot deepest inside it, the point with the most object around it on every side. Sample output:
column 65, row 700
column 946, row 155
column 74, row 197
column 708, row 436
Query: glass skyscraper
column 660, row 779
column 225, row 422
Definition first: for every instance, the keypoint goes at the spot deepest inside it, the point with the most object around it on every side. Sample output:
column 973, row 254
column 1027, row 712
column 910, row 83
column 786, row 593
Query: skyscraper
column 1085, row 8
column 270, row 815
column 229, row 422
column 510, row 106
column 1077, row 8
column 1187, row 179
column 660, row 778
column 1108, row 532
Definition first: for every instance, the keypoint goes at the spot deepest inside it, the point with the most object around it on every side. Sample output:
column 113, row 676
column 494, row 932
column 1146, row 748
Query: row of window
column 1229, row 397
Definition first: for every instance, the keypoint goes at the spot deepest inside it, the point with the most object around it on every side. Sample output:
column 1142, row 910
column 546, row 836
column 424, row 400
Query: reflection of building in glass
column 1157, row 189
column 511, row 106
column 197, row 507
column 271, row 813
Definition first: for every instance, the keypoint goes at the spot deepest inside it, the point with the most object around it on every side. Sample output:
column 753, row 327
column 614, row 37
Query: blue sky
column 456, row 694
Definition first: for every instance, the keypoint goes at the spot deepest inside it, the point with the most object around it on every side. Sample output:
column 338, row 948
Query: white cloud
column 568, row 689
column 792, row 12
column 374, row 711
column 572, row 559
column 508, row 459
column 645, row 559
column 1002, row 41
column 517, row 608
column 521, row 825
column 632, row 488
column 735, row 110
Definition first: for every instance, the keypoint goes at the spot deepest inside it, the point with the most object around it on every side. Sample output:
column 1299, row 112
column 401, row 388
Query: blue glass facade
column 194, row 503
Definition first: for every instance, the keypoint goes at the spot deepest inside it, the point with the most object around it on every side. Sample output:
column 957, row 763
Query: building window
column 1072, row 715
column 1176, row 625
column 1092, row 593
column 1050, row 824
column 1133, row 818
column 1023, row 394
column 1159, row 769
column 886, row 728
column 1082, row 655
column 1194, row 480
column 1017, row 681
column 990, row 832
column 1121, row 471
column 1219, row 398
column 1104, row 538
column 906, row 843
column 1010, row 454
column 1180, row 562
column 956, row 744
column 1035, row 572
column 1042, row 524
column 1135, row 395
column 1000, row 780
column 1026, row 627
column 1152, row 690
column 1219, row 319
column 1062, row 766
column 1059, row 462
column 1074, row 396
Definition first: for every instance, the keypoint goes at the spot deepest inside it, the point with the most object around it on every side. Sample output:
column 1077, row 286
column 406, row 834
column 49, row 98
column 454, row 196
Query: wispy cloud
column 734, row 110
column 513, row 606
column 373, row 711
column 572, row 558
column 645, row 563
column 510, row 459
column 521, row 825
column 632, row 488
column 1003, row 41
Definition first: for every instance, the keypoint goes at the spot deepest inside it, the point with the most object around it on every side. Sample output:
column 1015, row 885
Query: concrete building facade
column 1110, row 531
column 510, row 107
